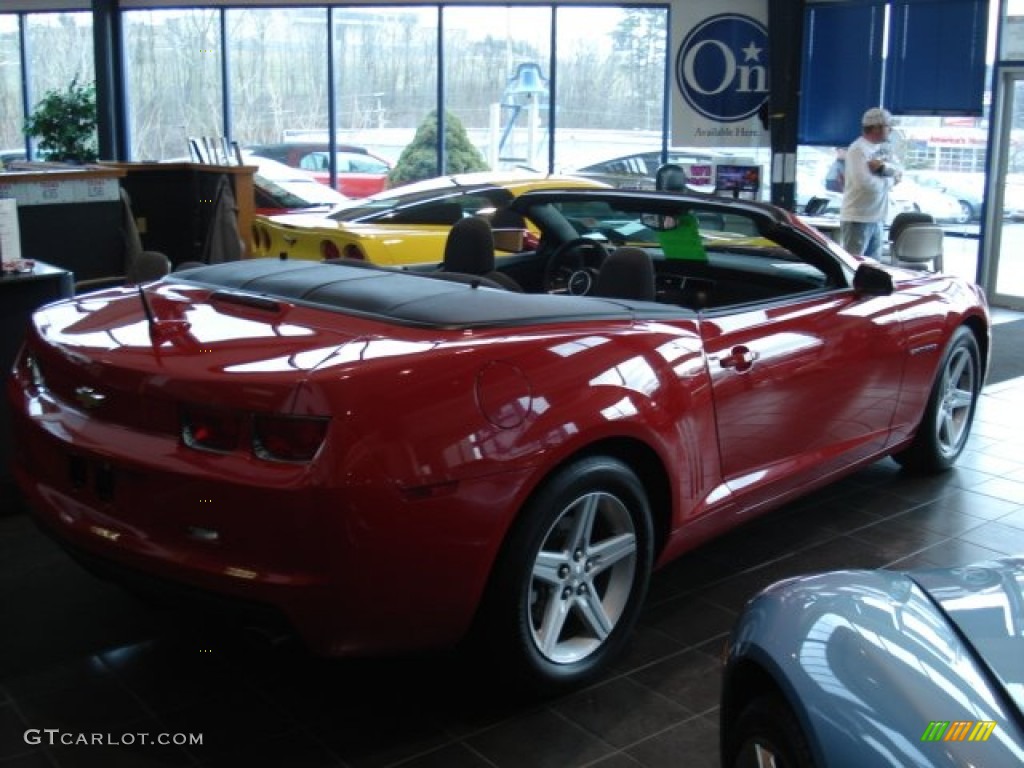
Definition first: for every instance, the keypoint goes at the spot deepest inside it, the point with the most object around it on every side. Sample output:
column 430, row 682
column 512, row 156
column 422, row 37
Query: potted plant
column 64, row 122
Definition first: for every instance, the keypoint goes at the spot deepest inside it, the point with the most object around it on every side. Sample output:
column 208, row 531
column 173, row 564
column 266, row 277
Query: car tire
column 966, row 213
column 767, row 734
column 571, row 578
column 947, row 420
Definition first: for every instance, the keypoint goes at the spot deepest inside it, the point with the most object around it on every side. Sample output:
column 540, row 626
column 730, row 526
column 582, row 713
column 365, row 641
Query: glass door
column 1002, row 271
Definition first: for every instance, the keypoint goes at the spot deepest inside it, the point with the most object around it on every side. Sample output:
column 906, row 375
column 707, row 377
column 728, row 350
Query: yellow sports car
column 405, row 225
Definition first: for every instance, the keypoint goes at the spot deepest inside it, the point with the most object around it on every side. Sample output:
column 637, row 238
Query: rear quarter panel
column 501, row 414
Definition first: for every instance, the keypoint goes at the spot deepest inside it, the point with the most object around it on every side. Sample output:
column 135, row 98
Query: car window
column 432, row 202
column 314, row 161
column 707, row 257
column 359, row 163
column 278, row 194
column 599, row 220
column 716, row 260
column 446, row 211
column 347, row 162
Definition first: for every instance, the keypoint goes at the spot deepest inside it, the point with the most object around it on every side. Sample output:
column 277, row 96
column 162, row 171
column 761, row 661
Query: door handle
column 739, row 359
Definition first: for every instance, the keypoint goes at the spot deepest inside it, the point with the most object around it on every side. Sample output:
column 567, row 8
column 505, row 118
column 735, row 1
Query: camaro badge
column 89, row 398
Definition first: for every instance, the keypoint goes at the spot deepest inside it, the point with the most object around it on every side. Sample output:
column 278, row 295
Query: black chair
column 627, row 273
column 140, row 266
column 817, row 206
column 907, row 219
column 915, row 241
column 469, row 250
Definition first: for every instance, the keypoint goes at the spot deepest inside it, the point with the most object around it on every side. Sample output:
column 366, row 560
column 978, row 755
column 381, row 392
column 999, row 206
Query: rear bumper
column 246, row 613
column 358, row 569
column 176, row 562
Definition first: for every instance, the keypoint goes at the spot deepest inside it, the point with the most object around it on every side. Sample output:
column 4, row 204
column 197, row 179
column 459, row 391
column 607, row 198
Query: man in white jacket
column 871, row 172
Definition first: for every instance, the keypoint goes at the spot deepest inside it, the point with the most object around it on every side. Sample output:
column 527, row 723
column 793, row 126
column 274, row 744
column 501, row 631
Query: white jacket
column 866, row 195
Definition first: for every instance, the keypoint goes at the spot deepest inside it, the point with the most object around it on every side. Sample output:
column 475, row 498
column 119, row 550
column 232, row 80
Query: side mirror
column 872, row 280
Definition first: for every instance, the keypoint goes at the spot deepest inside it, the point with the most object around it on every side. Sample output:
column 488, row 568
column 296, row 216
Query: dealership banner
column 719, row 73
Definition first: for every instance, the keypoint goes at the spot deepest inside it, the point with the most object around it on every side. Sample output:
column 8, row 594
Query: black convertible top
column 407, row 297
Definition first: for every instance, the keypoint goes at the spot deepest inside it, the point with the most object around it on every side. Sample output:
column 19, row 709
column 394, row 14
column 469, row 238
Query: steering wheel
column 573, row 265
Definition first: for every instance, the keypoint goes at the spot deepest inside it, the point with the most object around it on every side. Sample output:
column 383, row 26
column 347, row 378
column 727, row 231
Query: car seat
column 627, row 273
column 469, row 250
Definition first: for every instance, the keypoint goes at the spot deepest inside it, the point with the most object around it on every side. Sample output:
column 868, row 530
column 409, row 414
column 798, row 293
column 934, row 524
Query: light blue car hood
column 872, row 660
column 985, row 602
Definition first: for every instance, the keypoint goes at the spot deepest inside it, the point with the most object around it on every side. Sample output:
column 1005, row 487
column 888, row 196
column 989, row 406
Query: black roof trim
column 409, row 298
column 652, row 201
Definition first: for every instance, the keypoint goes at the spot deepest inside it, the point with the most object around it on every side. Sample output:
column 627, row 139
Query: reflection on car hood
column 871, row 661
column 986, row 604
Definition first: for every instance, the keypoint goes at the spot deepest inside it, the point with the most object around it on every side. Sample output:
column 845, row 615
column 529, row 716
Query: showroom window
column 611, row 83
column 173, row 73
column 277, row 73
column 11, row 104
column 280, row 77
column 497, row 65
column 58, row 50
column 385, row 74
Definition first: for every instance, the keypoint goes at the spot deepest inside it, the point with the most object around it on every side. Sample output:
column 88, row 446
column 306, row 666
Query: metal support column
column 781, row 113
column 111, row 109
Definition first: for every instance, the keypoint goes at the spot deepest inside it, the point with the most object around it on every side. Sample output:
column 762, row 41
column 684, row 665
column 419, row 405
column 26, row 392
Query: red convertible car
column 385, row 459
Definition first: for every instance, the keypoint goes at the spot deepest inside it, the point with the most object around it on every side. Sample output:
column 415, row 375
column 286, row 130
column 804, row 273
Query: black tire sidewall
column 769, row 720
column 966, row 212
column 924, row 453
column 507, row 610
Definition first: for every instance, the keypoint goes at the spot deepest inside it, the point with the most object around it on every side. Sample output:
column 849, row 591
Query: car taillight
column 287, row 438
column 530, row 241
column 354, row 252
column 329, row 250
column 210, row 429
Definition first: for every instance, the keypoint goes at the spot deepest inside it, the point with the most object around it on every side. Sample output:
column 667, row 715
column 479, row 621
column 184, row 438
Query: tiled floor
column 80, row 656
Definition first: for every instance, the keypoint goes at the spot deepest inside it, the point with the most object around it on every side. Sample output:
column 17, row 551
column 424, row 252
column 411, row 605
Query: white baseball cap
column 876, row 116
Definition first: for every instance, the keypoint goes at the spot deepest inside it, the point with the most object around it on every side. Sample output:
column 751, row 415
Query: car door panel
column 801, row 388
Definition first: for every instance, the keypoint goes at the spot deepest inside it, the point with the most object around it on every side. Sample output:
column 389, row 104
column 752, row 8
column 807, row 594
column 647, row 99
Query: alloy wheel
column 953, row 416
column 582, row 577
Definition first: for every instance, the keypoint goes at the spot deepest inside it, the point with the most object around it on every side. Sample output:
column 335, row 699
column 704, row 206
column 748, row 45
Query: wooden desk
column 20, row 295
column 173, row 204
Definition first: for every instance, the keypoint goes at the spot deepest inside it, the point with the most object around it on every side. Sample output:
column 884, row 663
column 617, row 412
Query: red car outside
column 388, row 460
column 280, row 189
column 359, row 173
